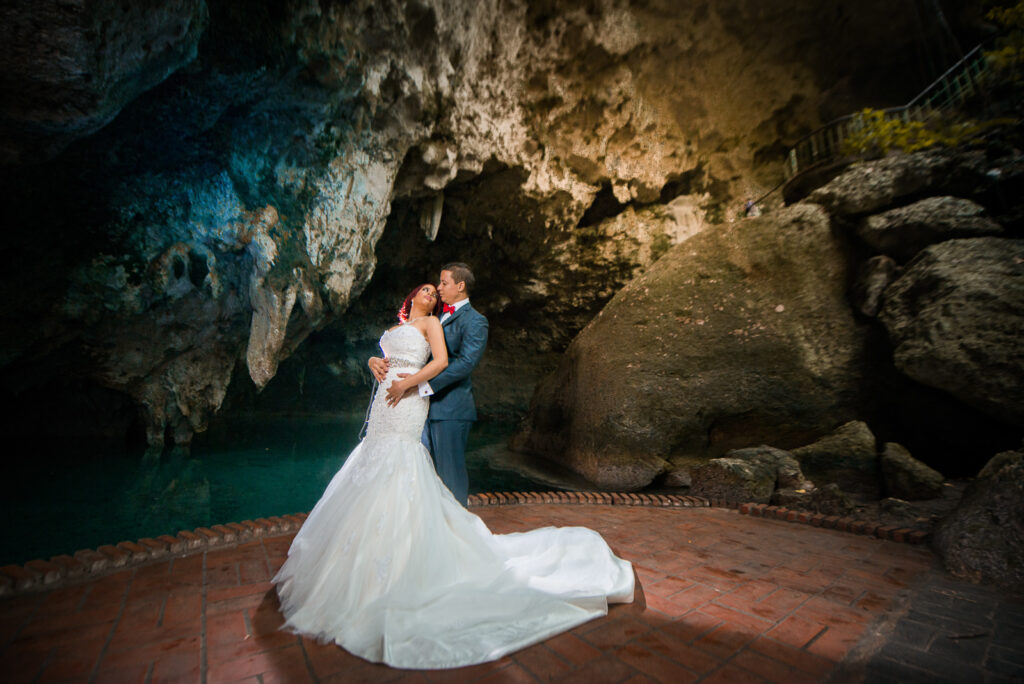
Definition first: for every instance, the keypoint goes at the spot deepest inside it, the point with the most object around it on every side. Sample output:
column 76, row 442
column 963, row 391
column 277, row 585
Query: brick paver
column 721, row 597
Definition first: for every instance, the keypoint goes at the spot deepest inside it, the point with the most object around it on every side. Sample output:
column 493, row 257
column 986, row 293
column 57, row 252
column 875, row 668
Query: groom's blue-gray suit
column 452, row 409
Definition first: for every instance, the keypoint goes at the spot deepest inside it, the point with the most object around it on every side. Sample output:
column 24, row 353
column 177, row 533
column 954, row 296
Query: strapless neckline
column 395, row 331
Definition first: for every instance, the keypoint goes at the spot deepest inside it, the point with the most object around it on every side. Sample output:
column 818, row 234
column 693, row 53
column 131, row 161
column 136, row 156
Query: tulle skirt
column 391, row 567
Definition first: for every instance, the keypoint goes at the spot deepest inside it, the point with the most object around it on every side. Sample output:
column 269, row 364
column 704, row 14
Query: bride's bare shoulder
column 426, row 324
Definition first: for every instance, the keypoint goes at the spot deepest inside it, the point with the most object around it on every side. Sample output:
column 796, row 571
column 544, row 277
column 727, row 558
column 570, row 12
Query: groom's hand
column 379, row 367
column 398, row 391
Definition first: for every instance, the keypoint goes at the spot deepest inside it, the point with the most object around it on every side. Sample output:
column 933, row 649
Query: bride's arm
column 439, row 352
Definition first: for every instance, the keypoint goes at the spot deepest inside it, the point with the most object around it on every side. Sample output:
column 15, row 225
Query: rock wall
column 746, row 334
column 740, row 335
column 203, row 182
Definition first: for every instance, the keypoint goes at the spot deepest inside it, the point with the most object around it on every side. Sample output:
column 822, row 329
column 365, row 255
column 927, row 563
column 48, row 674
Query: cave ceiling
column 201, row 184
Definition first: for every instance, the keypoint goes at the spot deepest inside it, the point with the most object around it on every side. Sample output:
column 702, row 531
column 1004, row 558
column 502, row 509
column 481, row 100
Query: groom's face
column 449, row 290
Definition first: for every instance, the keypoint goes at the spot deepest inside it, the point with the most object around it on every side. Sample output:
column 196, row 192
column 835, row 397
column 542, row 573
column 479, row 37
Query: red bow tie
column 448, row 309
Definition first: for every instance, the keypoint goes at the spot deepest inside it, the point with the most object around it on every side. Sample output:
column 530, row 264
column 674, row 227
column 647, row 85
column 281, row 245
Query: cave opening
column 197, row 269
column 604, row 206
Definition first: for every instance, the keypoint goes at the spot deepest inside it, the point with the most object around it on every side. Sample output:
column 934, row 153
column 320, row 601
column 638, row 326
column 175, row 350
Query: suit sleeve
column 473, row 343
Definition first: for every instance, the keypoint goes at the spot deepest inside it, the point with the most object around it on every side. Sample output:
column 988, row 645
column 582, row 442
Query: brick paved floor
column 721, row 598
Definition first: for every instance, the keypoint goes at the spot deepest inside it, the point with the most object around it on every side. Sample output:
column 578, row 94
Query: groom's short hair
column 460, row 274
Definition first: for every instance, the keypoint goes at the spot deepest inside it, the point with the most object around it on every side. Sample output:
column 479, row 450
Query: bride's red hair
column 403, row 311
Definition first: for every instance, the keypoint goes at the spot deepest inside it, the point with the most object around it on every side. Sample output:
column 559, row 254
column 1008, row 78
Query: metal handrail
column 952, row 87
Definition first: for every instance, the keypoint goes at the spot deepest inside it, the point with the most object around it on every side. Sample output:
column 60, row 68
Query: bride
column 391, row 567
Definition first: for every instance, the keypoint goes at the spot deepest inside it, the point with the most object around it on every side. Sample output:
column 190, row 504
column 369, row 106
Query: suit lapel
column 456, row 314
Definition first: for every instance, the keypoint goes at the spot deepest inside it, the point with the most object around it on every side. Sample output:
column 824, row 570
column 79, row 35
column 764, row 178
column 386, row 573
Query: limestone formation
column 956, row 318
column 903, row 232
column 249, row 156
column 69, row 68
column 983, row 538
column 848, row 457
column 905, row 477
column 740, row 334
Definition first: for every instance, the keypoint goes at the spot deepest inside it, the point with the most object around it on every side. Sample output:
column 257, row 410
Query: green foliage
column 881, row 134
column 1009, row 52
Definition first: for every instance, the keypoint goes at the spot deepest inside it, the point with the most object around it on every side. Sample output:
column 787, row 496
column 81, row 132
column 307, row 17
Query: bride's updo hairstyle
column 403, row 311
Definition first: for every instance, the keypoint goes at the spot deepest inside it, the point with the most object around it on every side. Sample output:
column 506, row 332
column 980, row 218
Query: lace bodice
column 406, row 351
column 405, row 346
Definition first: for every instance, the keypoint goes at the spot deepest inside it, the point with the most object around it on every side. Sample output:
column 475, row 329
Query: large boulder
column 740, row 334
column 903, row 232
column 733, row 479
column 848, row 457
column 871, row 186
column 907, row 478
column 780, row 462
column 983, row 539
column 956, row 319
column 751, row 474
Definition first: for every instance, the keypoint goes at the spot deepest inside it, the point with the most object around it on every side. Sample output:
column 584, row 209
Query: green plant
column 1009, row 52
column 881, row 133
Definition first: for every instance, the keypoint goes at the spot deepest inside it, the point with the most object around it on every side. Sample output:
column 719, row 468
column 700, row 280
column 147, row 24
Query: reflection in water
column 59, row 503
column 168, row 493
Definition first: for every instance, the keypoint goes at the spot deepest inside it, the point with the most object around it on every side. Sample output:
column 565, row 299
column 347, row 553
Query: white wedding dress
column 391, row 567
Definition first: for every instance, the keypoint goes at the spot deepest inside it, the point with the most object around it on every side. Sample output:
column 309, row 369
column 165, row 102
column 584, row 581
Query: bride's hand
column 378, row 366
column 398, row 390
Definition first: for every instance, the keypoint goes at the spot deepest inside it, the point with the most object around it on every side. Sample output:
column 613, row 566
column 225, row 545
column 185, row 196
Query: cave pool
column 55, row 504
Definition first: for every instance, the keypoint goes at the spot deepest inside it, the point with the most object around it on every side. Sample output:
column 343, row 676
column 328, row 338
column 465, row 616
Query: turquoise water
column 238, row 472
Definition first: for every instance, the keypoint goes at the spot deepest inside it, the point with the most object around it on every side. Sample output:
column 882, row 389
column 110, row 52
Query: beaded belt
column 399, row 362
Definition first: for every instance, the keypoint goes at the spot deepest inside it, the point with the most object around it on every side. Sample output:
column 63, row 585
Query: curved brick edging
column 48, row 574
column 906, row 535
column 42, row 574
column 607, row 498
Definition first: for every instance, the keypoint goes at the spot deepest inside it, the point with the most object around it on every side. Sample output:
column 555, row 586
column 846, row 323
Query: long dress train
column 391, row 567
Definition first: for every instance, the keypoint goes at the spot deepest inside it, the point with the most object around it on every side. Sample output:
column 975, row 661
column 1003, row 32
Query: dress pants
column 446, row 442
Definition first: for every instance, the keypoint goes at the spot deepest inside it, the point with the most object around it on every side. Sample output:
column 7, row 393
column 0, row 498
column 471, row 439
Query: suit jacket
column 465, row 336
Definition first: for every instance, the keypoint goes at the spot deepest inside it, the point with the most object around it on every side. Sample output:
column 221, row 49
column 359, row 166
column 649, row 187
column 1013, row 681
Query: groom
column 452, row 410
